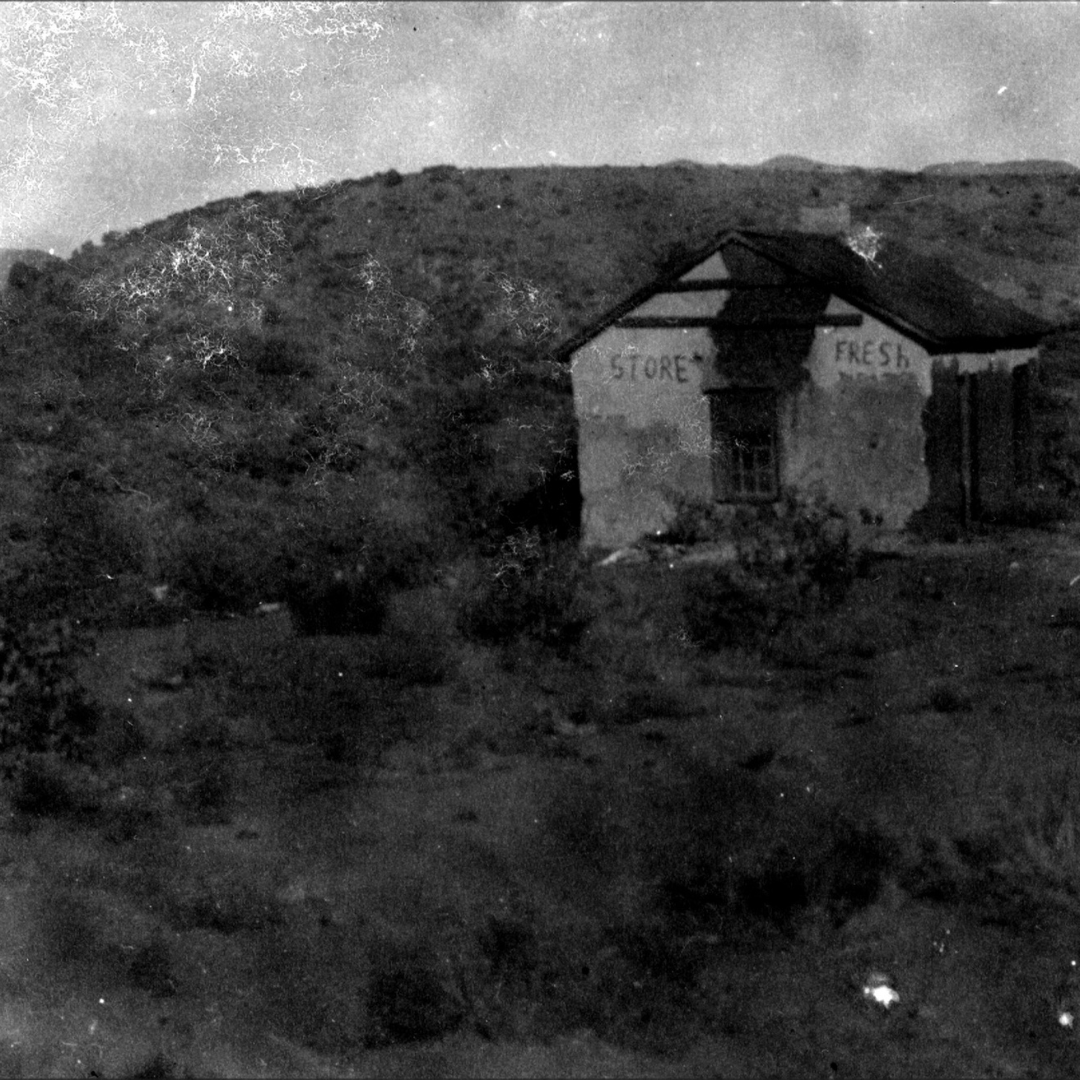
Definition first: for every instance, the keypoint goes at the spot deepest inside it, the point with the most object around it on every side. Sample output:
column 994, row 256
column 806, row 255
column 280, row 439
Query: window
column 745, row 465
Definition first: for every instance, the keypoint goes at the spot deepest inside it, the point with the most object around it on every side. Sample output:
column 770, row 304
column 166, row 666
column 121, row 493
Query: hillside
column 1031, row 167
column 248, row 395
column 794, row 163
column 362, row 770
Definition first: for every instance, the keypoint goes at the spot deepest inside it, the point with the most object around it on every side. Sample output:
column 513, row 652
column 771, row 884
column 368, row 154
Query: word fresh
column 869, row 353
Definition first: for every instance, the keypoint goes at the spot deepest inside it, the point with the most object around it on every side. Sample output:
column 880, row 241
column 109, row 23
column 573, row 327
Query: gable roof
column 922, row 298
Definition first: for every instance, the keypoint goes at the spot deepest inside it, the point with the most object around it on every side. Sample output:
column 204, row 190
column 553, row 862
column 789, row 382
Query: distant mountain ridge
column 1028, row 167
column 795, row 163
column 1032, row 167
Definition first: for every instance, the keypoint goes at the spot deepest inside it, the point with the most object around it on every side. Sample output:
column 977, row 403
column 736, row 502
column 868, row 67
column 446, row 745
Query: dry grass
column 346, row 845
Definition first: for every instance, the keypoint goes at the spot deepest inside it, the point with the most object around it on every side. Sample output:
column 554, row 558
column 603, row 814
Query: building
column 825, row 361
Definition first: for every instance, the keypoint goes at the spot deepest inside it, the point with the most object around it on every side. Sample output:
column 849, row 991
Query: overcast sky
column 116, row 114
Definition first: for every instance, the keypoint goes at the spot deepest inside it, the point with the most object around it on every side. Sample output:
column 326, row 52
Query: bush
column 439, row 173
column 411, row 995
column 790, row 560
column 947, row 699
column 534, row 589
column 699, row 521
column 275, row 355
column 220, row 573
column 450, row 441
column 42, row 788
column 344, row 602
column 413, row 657
column 353, row 597
column 85, row 543
column 210, row 796
column 550, row 504
column 43, row 709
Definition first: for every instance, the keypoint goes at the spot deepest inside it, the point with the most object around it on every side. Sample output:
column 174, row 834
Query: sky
column 116, row 114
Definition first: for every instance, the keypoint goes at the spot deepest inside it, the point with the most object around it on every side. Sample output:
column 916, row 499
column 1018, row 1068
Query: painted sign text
column 659, row 368
column 868, row 353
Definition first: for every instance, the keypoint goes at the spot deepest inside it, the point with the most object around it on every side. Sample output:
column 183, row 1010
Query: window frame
column 725, row 438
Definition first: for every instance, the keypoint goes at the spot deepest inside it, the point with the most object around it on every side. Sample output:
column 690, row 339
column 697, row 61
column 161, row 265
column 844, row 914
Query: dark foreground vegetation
column 327, row 753
column 599, row 844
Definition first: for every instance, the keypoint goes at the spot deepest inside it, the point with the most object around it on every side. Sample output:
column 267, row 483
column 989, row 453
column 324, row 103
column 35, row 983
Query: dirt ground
column 410, row 856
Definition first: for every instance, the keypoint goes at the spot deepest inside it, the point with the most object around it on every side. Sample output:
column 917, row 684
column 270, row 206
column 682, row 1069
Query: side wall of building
column 643, row 430
column 876, row 428
column 643, row 421
column 853, row 433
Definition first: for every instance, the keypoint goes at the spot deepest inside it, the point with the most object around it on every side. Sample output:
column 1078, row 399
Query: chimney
column 828, row 220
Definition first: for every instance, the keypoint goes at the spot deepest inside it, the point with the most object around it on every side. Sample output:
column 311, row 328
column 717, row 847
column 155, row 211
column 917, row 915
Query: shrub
column 342, row 602
column 947, row 699
column 373, row 561
column 42, row 788
column 43, row 709
column 551, row 505
column 210, row 796
column 151, row 970
column 439, row 173
column 85, row 542
column 272, row 354
column 225, row 903
column 219, row 573
column 1044, row 826
column 413, row 657
column 534, row 588
column 790, row 560
column 698, row 521
column 157, row 1067
column 411, row 995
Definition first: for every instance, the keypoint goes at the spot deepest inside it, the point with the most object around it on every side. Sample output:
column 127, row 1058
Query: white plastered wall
column 643, row 421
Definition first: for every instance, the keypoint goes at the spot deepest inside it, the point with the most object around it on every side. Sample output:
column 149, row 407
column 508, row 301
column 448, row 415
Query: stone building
column 826, row 362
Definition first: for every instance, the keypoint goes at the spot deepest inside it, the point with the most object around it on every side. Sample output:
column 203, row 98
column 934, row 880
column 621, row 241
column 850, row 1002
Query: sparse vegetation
column 44, row 709
column 790, row 560
column 531, row 587
column 451, row 781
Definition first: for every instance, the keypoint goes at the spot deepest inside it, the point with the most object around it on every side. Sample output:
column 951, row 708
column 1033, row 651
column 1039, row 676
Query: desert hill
column 1031, row 167
column 794, row 163
column 247, row 395
column 461, row 806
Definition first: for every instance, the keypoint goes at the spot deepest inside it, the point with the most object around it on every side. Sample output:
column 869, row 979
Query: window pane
column 753, row 463
column 744, row 437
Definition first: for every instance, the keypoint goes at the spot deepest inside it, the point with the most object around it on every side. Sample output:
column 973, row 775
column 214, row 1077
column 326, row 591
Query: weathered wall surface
column 853, row 433
column 875, row 428
column 643, row 421
column 643, row 430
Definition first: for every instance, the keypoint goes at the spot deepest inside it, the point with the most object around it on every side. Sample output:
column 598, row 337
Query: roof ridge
column 924, row 298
